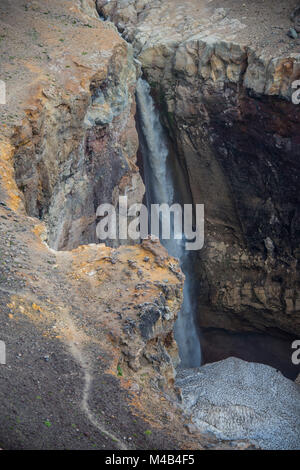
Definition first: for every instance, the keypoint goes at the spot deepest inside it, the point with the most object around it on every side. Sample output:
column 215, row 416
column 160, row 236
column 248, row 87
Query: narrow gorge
column 224, row 106
column 161, row 188
column 142, row 344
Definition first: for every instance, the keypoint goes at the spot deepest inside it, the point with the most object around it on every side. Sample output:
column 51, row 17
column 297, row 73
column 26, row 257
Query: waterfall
column 161, row 188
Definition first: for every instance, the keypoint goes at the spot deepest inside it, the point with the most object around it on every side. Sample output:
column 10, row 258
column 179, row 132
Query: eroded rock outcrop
column 224, row 86
column 89, row 330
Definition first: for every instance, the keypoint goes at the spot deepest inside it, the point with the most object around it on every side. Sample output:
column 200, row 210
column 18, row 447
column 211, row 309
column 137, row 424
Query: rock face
column 235, row 399
column 225, row 91
column 75, row 144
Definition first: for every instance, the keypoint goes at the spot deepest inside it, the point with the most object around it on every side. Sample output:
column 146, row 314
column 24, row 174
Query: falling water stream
column 162, row 188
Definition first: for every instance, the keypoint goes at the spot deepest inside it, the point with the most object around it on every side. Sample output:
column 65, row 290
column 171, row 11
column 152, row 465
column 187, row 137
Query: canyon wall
column 224, row 88
column 76, row 146
column 88, row 329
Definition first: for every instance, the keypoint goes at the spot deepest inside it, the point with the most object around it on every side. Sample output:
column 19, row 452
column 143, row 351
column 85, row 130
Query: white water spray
column 160, row 189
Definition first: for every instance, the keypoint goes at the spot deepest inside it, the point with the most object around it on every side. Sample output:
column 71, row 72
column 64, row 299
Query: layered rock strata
column 72, row 133
column 90, row 353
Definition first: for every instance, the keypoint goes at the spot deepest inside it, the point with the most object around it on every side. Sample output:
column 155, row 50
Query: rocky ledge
column 89, row 329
